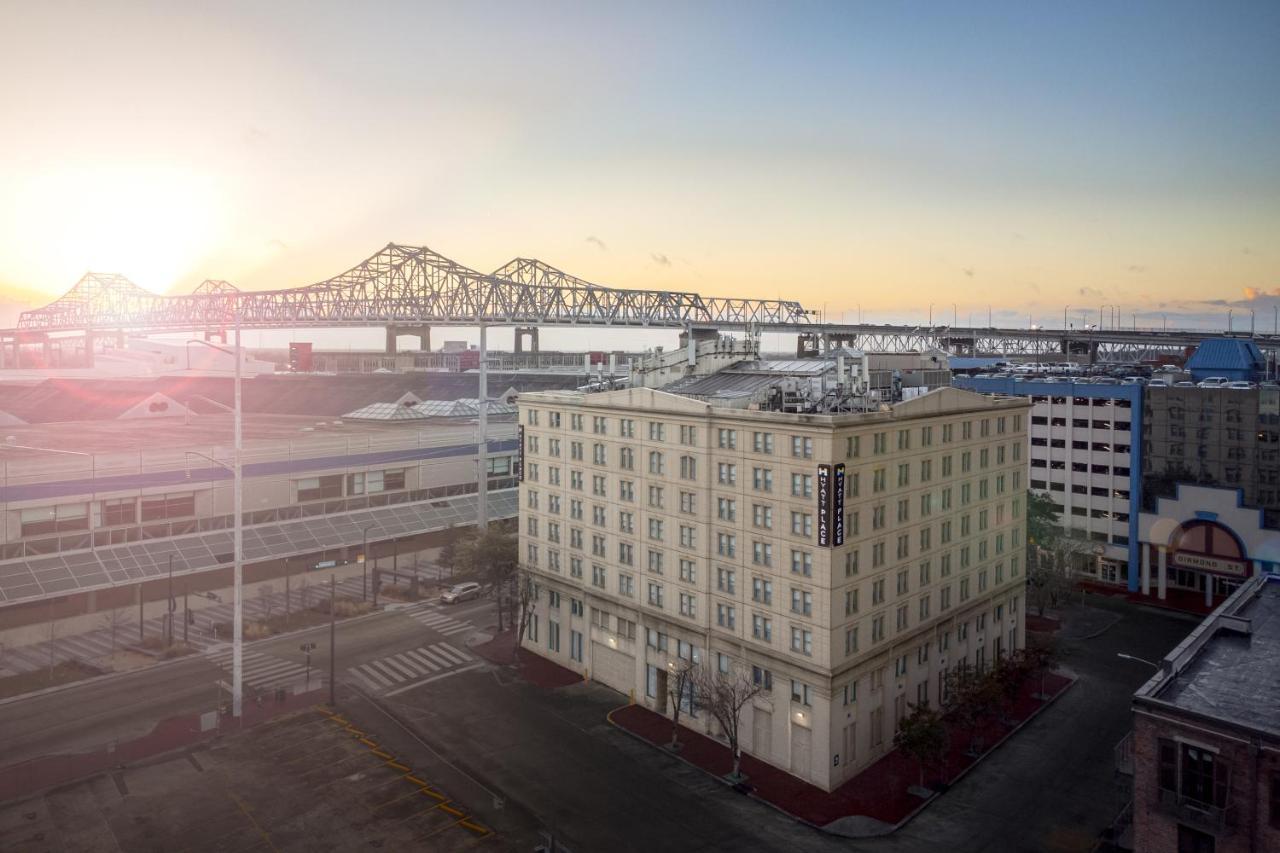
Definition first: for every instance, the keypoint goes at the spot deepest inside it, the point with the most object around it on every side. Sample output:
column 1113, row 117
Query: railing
column 1210, row 818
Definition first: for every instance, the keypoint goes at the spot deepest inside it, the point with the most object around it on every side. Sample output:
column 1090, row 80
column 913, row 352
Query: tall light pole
column 1064, row 317
column 482, row 448
column 931, row 314
column 237, row 641
column 1230, row 311
column 955, row 315
column 237, row 479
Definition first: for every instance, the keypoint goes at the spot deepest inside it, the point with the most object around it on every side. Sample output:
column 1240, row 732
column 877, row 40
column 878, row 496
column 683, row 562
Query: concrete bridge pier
column 807, row 345
column 423, row 333
column 532, row 333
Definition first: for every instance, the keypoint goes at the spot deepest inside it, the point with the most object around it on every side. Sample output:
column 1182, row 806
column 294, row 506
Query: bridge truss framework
column 409, row 289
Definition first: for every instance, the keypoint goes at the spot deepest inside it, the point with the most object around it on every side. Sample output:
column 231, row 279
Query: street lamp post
column 237, row 477
column 482, row 427
column 1064, row 317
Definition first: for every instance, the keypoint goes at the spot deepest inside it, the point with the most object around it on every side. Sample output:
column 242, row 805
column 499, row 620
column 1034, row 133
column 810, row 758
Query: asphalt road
column 123, row 706
column 530, row 758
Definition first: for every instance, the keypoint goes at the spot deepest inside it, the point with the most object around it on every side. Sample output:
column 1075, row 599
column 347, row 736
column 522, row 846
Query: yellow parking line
column 396, row 765
column 474, row 827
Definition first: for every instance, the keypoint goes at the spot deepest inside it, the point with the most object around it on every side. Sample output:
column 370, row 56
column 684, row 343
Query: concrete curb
column 203, row 655
column 1119, row 617
column 723, row 781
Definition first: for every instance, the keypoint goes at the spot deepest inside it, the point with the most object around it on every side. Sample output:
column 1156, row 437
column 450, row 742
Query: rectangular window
column 159, row 507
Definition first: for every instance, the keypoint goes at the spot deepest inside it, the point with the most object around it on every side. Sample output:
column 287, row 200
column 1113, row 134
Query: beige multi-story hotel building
column 846, row 561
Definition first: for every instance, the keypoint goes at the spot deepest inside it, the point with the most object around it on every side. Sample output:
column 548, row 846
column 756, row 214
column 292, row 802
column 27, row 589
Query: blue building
column 1085, row 455
column 1237, row 360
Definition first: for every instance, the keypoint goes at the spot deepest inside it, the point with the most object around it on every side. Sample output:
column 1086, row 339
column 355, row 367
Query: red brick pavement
column 879, row 792
column 533, row 668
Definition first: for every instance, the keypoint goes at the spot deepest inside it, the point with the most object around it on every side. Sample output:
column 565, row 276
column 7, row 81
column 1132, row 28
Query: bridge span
column 409, row 289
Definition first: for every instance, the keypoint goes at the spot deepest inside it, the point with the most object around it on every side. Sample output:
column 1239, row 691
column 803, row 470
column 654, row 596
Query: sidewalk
column 97, row 645
column 879, row 793
column 533, row 668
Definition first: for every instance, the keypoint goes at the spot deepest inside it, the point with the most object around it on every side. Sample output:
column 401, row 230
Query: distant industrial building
column 107, row 485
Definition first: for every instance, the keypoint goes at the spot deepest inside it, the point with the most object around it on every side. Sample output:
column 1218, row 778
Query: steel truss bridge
column 410, row 289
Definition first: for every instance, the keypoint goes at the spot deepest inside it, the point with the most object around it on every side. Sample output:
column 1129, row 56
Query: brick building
column 1205, row 748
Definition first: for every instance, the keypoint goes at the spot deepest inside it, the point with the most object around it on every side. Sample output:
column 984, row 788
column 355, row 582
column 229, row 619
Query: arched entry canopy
column 1202, row 544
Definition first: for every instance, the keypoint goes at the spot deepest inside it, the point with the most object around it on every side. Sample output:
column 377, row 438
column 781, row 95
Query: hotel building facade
column 845, row 561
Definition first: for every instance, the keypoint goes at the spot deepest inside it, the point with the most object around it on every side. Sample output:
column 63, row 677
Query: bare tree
column 680, row 679
column 525, row 600
column 723, row 695
column 113, row 620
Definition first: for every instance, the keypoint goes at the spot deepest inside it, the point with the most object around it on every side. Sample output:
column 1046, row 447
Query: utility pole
column 237, row 642
column 333, row 635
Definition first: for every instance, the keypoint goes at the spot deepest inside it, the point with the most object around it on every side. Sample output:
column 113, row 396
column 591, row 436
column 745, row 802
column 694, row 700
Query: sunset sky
column 879, row 156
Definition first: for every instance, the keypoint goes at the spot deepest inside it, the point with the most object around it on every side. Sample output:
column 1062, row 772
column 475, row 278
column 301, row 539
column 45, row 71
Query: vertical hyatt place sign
column 830, row 506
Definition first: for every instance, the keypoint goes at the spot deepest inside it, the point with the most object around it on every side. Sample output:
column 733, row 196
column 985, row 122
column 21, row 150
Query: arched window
column 1208, row 538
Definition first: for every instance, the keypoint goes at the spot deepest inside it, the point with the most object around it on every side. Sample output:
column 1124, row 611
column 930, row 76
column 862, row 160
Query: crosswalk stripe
column 451, row 658
column 409, row 662
column 390, row 673
column 460, row 654
column 455, row 629
column 434, row 619
column 435, row 655
column 283, row 678
column 372, row 677
column 260, row 668
column 409, row 671
column 367, row 679
column 423, row 659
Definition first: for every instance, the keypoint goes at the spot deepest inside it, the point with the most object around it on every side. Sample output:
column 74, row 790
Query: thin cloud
column 598, row 243
column 1137, row 269
column 277, row 245
column 1092, row 292
column 967, row 271
column 660, row 259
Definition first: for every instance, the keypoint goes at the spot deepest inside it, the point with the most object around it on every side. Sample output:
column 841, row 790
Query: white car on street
column 460, row 592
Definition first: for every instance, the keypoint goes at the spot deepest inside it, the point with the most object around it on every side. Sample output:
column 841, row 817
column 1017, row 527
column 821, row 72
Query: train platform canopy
column 37, row 578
